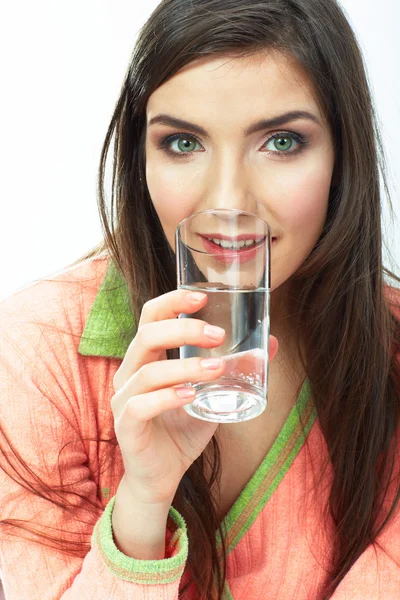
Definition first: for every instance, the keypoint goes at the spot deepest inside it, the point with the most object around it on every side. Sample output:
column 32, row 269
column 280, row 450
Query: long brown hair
column 338, row 295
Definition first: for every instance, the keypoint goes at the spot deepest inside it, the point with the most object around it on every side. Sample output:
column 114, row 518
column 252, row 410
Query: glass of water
column 225, row 253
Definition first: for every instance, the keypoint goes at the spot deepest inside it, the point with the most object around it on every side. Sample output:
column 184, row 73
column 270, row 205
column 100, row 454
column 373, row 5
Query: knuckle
column 131, row 406
column 117, row 382
column 138, row 407
column 191, row 367
column 142, row 336
column 151, row 302
column 192, row 327
column 114, row 402
column 188, row 370
column 132, row 409
column 141, row 375
column 147, row 308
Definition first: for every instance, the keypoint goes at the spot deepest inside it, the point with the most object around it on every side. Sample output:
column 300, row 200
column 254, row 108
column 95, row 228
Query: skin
column 227, row 169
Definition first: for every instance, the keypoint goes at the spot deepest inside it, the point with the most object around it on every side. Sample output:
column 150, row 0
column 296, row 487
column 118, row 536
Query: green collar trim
column 110, row 326
column 272, row 470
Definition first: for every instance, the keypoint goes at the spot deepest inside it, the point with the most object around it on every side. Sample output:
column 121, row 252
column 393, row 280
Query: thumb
column 273, row 347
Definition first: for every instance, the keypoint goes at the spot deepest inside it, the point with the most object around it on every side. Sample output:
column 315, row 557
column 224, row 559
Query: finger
column 166, row 306
column 273, row 347
column 141, row 409
column 170, row 305
column 162, row 335
column 163, row 374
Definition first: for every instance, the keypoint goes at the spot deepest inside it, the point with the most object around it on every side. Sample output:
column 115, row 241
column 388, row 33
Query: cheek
column 303, row 201
column 173, row 197
column 300, row 210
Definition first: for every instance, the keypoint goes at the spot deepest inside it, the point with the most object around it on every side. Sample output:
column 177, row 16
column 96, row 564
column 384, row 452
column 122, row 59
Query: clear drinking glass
column 225, row 254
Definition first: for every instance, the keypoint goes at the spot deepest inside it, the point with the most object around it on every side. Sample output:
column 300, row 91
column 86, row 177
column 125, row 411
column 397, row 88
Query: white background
column 62, row 66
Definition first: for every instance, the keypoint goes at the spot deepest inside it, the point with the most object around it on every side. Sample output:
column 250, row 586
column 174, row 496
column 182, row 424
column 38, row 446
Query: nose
column 229, row 184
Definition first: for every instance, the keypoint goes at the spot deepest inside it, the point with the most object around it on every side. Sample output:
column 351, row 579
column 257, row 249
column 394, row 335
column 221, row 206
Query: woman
column 114, row 490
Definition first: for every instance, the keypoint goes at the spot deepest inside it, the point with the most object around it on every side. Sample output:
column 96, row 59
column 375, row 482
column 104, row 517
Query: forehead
column 267, row 83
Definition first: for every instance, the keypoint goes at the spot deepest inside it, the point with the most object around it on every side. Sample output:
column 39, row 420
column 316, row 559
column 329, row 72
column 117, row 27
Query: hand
column 158, row 439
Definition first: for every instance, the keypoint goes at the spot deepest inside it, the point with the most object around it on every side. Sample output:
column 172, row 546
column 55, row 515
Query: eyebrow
column 169, row 120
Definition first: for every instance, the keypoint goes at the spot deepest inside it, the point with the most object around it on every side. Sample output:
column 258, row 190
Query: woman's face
column 254, row 139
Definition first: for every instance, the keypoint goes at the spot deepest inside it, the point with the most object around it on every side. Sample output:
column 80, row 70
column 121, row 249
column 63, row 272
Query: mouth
column 241, row 248
column 238, row 243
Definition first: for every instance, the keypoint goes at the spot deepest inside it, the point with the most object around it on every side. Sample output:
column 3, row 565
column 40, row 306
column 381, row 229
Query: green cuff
column 156, row 572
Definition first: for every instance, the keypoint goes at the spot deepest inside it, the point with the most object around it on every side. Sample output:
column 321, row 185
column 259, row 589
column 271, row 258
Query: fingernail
column 211, row 363
column 185, row 392
column 215, row 333
column 196, row 297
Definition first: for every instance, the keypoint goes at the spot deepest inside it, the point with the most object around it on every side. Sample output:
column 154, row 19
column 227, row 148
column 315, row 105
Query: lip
column 238, row 238
column 228, row 256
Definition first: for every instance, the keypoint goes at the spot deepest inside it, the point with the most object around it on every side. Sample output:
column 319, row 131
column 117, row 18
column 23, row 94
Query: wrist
column 143, row 499
column 139, row 527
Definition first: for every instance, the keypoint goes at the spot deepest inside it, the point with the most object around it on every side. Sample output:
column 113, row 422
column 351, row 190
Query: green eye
column 184, row 145
column 281, row 143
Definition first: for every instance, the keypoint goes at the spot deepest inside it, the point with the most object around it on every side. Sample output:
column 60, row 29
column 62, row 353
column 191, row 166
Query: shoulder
column 60, row 302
